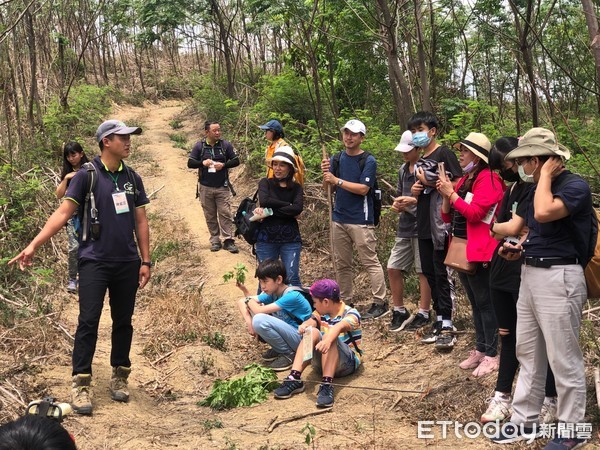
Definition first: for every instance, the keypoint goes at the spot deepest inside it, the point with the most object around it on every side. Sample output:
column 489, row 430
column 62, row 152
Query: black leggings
column 505, row 305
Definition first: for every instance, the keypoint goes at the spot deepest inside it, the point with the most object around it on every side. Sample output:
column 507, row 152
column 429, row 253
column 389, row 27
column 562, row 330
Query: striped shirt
column 352, row 338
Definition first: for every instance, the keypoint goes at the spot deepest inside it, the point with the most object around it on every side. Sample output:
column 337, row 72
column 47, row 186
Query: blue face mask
column 421, row 139
column 469, row 167
column 526, row 178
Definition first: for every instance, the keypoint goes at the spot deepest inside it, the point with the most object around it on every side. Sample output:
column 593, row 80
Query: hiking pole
column 330, row 210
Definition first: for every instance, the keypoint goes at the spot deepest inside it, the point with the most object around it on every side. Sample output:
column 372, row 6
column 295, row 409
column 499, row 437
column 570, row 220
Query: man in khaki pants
column 213, row 156
column 353, row 216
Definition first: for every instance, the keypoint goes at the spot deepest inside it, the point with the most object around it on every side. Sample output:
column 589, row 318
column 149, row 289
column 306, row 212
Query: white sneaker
column 498, row 409
column 549, row 409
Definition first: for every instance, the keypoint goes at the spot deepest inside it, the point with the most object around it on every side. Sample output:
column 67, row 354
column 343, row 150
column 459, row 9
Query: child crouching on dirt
column 336, row 340
column 275, row 314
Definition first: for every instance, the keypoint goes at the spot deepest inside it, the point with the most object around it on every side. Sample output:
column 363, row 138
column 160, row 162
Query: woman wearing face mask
column 279, row 234
column 505, row 279
column 471, row 209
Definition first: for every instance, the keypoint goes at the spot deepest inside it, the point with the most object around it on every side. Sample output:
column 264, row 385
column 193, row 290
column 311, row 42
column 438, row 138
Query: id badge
column 120, row 201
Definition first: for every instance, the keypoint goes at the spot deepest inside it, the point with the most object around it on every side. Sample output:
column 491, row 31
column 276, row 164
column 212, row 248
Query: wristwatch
column 148, row 264
column 247, row 300
column 340, row 182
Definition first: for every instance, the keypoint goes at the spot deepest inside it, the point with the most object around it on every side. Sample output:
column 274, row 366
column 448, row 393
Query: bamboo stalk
column 330, row 210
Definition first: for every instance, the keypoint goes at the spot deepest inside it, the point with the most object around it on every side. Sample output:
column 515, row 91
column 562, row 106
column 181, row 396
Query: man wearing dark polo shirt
column 353, row 217
column 213, row 157
column 108, row 259
column 558, row 213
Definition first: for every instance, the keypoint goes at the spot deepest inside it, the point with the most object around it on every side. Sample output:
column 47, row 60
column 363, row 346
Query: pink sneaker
column 475, row 357
column 487, row 366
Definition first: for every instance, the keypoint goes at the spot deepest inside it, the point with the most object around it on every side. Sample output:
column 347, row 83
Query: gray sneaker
column 283, row 362
column 288, row 388
column 72, row 287
column 215, row 247
column 432, row 336
column 376, row 311
column 325, row 396
column 446, row 339
column 270, row 355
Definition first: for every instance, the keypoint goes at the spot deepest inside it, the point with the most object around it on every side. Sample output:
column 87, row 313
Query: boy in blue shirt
column 275, row 314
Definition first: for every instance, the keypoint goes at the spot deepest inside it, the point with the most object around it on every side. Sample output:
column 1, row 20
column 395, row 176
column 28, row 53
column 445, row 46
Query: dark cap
column 115, row 127
column 325, row 288
column 273, row 124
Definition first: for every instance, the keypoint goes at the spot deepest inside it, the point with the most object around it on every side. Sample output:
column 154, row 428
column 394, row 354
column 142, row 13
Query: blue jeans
column 280, row 335
column 289, row 252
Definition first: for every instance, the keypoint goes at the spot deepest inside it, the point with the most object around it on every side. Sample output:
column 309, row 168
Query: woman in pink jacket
column 471, row 207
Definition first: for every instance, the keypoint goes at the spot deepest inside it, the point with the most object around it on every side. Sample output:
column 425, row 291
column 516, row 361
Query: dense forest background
column 495, row 67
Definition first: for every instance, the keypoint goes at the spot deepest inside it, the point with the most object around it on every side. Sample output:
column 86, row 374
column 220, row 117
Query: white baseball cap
column 355, row 126
column 406, row 143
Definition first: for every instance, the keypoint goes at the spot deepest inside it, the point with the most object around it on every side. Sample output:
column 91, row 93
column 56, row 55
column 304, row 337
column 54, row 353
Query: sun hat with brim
column 355, row 126
column 325, row 288
column 273, row 125
column 478, row 143
column 115, row 127
column 539, row 142
column 406, row 144
column 285, row 154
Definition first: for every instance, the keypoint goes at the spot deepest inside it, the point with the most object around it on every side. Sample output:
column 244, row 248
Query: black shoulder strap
column 92, row 178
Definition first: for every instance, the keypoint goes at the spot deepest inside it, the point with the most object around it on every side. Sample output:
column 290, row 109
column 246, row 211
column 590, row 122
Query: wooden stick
column 166, row 355
column 330, row 209
column 388, row 185
column 155, row 192
column 297, row 417
column 597, row 384
column 591, row 310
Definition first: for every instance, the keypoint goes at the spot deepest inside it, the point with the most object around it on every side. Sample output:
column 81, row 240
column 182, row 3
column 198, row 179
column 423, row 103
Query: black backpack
column 243, row 227
column 374, row 192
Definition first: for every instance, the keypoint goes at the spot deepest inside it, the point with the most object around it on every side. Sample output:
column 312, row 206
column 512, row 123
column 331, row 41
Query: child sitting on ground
column 275, row 314
column 333, row 322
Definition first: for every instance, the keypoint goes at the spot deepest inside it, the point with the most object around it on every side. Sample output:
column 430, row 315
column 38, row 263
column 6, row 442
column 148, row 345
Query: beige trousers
column 345, row 236
column 216, row 204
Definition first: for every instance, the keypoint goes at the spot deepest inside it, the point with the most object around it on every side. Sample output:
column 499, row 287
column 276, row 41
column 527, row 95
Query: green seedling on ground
column 238, row 273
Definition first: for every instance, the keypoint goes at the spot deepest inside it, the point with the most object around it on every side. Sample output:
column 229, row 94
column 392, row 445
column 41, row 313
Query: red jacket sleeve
column 487, row 190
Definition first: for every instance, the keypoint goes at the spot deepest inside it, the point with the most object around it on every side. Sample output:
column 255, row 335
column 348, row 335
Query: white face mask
column 526, row 178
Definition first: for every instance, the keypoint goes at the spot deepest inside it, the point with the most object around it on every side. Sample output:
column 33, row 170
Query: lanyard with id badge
column 119, row 197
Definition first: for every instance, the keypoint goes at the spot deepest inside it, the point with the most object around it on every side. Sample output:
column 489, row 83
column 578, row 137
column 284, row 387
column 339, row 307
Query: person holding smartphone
column 470, row 208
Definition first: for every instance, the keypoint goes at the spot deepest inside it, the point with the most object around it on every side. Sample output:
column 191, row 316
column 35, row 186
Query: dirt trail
column 361, row 418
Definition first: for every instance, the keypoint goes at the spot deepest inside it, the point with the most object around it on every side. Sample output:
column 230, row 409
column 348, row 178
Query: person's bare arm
column 55, row 222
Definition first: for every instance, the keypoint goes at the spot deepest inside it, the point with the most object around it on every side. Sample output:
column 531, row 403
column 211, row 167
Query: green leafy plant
column 209, row 424
column 309, row 434
column 238, row 273
column 251, row 389
column 176, row 124
column 215, row 340
column 180, row 141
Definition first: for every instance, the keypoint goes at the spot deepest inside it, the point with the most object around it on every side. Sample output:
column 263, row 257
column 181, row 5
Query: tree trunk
column 398, row 84
column 592, row 25
column 425, row 95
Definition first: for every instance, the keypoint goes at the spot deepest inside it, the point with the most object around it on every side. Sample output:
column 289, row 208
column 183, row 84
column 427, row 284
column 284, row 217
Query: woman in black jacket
column 279, row 234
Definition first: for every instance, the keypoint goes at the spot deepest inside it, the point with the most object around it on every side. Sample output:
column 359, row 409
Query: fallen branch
column 597, row 384
column 166, row 355
column 591, row 310
column 296, row 417
column 155, row 192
